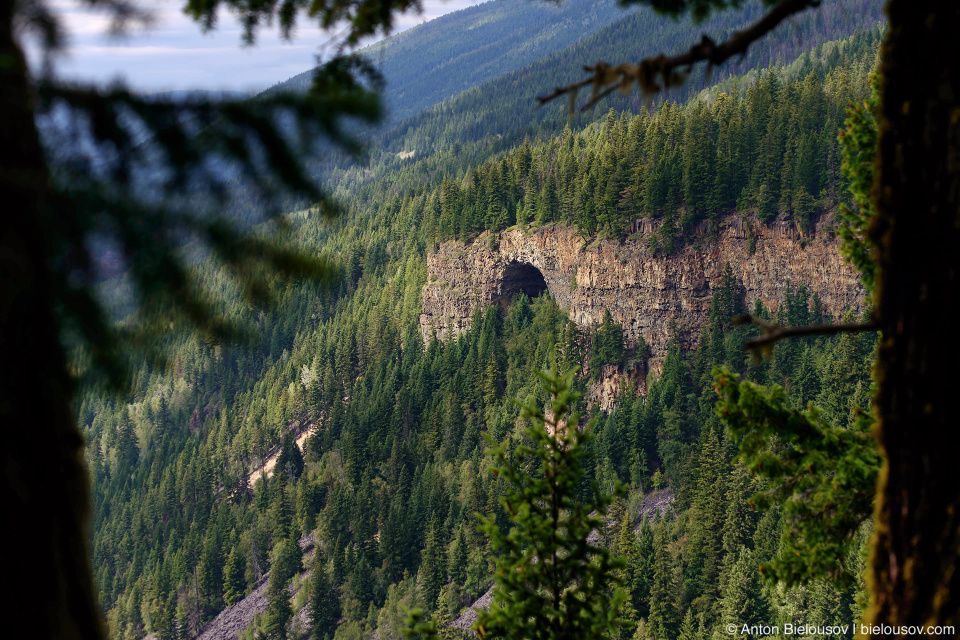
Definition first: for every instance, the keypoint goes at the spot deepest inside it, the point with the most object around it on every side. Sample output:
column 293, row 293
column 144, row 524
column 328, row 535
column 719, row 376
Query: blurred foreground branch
column 653, row 74
column 773, row 333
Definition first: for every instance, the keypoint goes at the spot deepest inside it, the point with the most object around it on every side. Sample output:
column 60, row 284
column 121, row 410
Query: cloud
column 174, row 54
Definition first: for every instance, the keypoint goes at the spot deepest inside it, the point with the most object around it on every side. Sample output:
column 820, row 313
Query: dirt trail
column 265, row 470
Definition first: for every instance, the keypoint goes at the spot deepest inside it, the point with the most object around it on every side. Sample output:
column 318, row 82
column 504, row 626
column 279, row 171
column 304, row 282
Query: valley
column 480, row 241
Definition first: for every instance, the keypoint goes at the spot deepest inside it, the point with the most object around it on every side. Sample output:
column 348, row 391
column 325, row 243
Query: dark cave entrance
column 520, row 277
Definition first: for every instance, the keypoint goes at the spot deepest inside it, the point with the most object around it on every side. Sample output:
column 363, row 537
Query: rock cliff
column 644, row 292
column 613, row 380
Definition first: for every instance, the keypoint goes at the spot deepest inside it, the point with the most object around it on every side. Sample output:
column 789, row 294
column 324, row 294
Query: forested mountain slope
column 505, row 107
column 517, row 49
column 395, row 468
column 765, row 143
column 438, row 59
column 466, row 131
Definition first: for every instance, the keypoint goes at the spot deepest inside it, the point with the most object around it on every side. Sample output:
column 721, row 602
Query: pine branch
column 153, row 176
column 773, row 333
column 653, row 74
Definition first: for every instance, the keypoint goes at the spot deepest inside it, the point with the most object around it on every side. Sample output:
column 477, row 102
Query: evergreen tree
column 286, row 560
column 742, row 601
column 548, row 576
column 210, row 571
column 234, row 577
column 643, row 569
column 279, row 610
column 128, row 452
column 324, row 604
column 824, row 481
column 626, row 550
column 290, row 460
column 688, row 630
column 740, row 520
column 607, row 345
column 360, row 583
column 706, row 522
column 281, row 507
column 699, row 156
column 459, row 559
column 548, row 204
column 664, row 617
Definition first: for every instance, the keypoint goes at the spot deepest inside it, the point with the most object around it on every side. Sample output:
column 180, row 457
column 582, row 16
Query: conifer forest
column 328, row 465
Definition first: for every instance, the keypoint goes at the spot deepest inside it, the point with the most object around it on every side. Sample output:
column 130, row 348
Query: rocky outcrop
column 613, row 381
column 235, row 619
column 652, row 505
column 644, row 292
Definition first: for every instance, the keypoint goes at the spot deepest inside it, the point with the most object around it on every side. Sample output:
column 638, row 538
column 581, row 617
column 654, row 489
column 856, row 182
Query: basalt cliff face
column 645, row 293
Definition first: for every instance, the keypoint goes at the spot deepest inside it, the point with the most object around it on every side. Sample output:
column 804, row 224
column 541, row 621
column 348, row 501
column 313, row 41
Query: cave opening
column 520, row 277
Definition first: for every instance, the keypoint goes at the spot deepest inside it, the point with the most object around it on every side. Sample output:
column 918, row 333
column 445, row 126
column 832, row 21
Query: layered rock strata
column 644, row 292
column 614, row 380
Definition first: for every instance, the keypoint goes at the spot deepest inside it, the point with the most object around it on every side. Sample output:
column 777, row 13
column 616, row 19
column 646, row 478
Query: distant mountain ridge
column 496, row 106
column 498, row 114
column 441, row 58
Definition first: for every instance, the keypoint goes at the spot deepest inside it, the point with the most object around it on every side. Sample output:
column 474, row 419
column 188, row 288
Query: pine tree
column 626, row 550
column 309, row 498
column 742, row 601
column 826, row 605
column 688, row 630
column 548, row 205
column 740, row 520
column 210, row 570
column 459, row 559
column 554, row 596
column 290, row 460
column 324, row 603
column 163, row 421
column 361, row 583
column 823, row 482
column 286, row 562
column 234, row 576
column 339, row 564
column 281, row 507
column 432, row 565
column 643, row 569
column 607, row 345
column 128, row 452
column 699, row 156
column 663, row 620
column 279, row 610
column 706, row 521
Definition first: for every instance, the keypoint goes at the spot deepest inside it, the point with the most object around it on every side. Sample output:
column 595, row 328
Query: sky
column 174, row 55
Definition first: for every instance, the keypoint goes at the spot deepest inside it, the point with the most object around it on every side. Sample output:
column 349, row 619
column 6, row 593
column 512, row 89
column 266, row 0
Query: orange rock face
column 645, row 293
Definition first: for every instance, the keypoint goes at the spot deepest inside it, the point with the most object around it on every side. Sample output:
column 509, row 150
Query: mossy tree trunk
column 44, row 559
column 915, row 572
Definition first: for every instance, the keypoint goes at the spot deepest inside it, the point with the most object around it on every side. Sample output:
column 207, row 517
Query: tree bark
column 45, row 561
column 915, row 578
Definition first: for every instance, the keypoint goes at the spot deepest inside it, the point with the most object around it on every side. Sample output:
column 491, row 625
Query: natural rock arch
column 648, row 294
column 520, row 277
